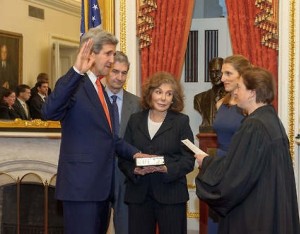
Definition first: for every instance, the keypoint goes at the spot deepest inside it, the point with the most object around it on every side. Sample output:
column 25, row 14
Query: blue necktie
column 116, row 121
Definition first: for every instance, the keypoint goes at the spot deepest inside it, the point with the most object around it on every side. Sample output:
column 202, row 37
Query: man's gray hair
column 122, row 58
column 100, row 37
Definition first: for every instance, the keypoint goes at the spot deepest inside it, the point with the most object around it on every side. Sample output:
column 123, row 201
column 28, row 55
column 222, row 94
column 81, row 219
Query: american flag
column 90, row 15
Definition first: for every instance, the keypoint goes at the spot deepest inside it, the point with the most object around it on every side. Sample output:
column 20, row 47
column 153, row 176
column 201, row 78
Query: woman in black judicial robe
column 253, row 187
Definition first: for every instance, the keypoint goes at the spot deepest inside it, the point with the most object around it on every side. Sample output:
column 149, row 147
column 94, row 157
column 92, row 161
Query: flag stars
column 90, row 18
column 95, row 7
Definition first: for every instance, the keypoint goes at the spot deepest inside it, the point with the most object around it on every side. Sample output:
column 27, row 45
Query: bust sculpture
column 205, row 102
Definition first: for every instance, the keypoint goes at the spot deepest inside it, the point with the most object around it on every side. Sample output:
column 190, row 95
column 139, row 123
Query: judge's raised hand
column 84, row 60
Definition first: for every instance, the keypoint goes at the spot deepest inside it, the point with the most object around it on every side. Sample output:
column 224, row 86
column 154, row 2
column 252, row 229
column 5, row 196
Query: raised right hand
column 84, row 60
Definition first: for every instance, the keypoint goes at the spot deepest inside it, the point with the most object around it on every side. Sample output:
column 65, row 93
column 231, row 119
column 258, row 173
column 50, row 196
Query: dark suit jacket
column 35, row 106
column 131, row 104
column 20, row 110
column 7, row 113
column 169, row 188
column 86, row 160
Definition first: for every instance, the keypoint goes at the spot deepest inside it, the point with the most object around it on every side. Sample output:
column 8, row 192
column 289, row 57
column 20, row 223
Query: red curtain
column 246, row 37
column 169, row 38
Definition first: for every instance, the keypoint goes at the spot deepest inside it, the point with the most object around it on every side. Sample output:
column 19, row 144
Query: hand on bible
column 144, row 170
column 141, row 155
column 150, row 169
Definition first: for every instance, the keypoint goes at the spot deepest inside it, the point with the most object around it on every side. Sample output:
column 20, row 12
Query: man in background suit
column 88, row 143
column 40, row 77
column 128, row 104
column 23, row 94
column 37, row 100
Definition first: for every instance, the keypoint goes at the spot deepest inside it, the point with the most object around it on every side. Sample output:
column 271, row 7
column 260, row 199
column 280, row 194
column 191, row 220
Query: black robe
column 253, row 187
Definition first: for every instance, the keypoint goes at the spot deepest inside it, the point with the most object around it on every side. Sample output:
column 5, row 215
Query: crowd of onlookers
column 24, row 102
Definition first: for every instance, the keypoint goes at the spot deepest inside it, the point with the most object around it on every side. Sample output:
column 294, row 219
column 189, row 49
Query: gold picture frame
column 11, row 59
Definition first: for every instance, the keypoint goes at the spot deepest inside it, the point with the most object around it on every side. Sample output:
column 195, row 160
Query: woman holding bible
column 157, row 195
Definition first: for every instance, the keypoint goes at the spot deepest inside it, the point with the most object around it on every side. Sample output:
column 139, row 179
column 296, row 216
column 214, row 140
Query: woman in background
column 228, row 116
column 158, row 194
column 253, row 187
column 7, row 101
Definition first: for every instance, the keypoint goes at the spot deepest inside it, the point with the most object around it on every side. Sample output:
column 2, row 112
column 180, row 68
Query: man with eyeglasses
column 127, row 104
column 205, row 102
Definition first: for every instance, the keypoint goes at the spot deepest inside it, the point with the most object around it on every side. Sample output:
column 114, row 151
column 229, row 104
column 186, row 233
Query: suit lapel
column 143, row 123
column 20, row 109
column 166, row 125
column 94, row 99
column 127, row 109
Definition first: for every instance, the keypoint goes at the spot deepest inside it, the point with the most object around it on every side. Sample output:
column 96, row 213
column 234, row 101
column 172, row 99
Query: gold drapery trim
column 145, row 21
column 123, row 23
column 291, row 84
column 267, row 21
column 123, row 29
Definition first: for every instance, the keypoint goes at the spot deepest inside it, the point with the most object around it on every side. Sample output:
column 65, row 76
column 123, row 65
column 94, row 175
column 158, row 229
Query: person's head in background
column 162, row 92
column 103, row 51
column 23, row 92
column 42, row 88
column 118, row 72
column 8, row 97
column 215, row 67
column 255, row 88
column 42, row 77
column 232, row 69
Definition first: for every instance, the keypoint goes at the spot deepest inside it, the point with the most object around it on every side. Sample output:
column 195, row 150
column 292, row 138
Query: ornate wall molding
column 123, row 28
column 71, row 7
column 291, row 75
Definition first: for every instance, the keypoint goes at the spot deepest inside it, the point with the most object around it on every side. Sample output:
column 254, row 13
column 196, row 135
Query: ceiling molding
column 71, row 7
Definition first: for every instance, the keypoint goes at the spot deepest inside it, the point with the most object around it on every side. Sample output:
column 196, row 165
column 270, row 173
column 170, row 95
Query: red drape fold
column 246, row 38
column 169, row 38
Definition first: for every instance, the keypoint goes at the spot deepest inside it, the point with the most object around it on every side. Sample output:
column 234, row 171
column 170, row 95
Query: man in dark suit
column 23, row 94
column 37, row 100
column 88, row 146
column 128, row 104
column 8, row 74
column 40, row 77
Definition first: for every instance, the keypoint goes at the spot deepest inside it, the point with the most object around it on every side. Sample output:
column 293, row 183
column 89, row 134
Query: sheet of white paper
column 193, row 147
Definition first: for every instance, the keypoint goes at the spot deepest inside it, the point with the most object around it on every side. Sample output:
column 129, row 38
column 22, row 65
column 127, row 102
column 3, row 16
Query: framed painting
column 11, row 53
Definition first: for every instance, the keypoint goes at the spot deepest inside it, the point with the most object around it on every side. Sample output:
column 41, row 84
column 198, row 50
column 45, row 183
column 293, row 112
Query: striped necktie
column 116, row 120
